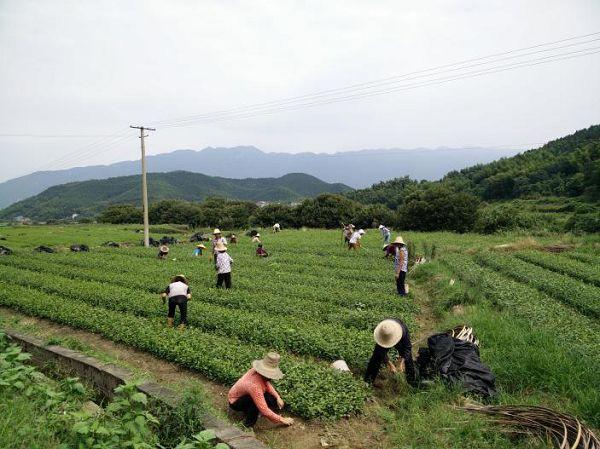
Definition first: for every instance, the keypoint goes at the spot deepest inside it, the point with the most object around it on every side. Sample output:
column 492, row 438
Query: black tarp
column 4, row 251
column 43, row 249
column 79, row 248
column 458, row 362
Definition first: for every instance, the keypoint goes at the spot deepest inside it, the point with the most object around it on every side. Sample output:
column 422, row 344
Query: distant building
column 22, row 220
column 262, row 203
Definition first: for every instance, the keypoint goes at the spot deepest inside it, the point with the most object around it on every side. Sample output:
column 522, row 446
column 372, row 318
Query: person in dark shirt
column 389, row 251
column 391, row 333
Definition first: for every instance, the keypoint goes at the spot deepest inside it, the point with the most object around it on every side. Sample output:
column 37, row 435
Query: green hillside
column 565, row 167
column 90, row 197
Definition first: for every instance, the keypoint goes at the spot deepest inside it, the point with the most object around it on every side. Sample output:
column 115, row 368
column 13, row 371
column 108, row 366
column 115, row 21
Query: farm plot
column 313, row 311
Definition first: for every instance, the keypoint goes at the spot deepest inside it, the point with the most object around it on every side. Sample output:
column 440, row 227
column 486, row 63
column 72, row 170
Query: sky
column 75, row 74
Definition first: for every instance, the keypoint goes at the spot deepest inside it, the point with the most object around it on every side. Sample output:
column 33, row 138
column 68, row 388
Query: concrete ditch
column 105, row 377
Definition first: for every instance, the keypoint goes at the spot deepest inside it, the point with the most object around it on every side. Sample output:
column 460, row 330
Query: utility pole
column 144, row 184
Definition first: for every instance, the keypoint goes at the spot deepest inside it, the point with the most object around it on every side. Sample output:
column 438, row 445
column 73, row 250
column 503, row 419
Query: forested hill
column 90, row 197
column 569, row 166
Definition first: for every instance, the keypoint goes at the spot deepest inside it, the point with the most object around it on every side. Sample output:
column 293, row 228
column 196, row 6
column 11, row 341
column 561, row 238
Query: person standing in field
column 400, row 264
column 254, row 395
column 179, row 294
column 386, row 234
column 354, row 242
column 223, row 266
column 217, row 238
column 391, row 333
column 347, row 232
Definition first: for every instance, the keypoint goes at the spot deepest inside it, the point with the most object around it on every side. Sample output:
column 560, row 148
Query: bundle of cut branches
column 564, row 431
column 464, row 333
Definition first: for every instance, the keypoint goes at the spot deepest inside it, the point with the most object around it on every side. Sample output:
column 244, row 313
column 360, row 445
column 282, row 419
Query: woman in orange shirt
column 253, row 393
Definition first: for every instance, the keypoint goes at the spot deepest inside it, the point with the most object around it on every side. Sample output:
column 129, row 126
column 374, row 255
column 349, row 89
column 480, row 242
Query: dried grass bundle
column 564, row 431
column 464, row 333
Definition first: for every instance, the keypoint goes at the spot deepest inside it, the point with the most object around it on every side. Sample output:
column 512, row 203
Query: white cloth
column 224, row 262
column 355, row 237
column 178, row 289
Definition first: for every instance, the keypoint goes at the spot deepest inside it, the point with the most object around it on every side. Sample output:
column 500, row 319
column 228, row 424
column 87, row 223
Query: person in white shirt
column 216, row 239
column 354, row 242
column 223, row 266
column 179, row 294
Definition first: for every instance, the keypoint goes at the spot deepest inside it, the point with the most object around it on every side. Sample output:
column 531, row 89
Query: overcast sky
column 94, row 67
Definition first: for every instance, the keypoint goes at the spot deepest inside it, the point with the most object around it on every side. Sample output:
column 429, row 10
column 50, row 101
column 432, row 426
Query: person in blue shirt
column 198, row 251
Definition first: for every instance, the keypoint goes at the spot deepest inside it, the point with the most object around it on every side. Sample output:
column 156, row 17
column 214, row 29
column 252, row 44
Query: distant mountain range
column 357, row 169
column 90, row 197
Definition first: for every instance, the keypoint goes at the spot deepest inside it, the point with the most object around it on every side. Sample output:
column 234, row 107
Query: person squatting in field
column 400, row 264
column 354, row 242
column 198, row 251
column 389, row 251
column 163, row 252
column 253, row 393
column 391, row 333
column 179, row 294
column 260, row 251
column 386, row 234
column 218, row 238
column 223, row 266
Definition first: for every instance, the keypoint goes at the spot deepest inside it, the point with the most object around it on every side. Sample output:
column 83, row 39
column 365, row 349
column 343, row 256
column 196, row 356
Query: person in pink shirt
column 253, row 393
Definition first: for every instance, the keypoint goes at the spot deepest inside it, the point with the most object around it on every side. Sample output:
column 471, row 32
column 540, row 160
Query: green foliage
column 564, row 265
column 502, row 217
column 121, row 213
column 326, row 211
column 580, row 296
column 91, row 197
column 438, row 208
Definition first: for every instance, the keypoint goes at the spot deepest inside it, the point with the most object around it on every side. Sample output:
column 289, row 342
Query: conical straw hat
column 216, row 231
column 268, row 366
column 387, row 333
column 398, row 241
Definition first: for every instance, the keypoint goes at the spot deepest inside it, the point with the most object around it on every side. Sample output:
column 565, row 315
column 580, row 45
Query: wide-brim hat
column 399, row 241
column 164, row 249
column 361, row 231
column 257, row 235
column 387, row 333
column 268, row 366
column 380, row 226
column 181, row 276
column 216, row 231
column 385, row 246
column 351, row 225
column 220, row 247
column 200, row 245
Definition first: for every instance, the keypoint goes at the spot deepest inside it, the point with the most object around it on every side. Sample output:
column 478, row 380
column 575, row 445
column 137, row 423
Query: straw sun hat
column 220, row 247
column 387, row 333
column 201, row 246
column 398, row 241
column 164, row 249
column 268, row 366
column 216, row 231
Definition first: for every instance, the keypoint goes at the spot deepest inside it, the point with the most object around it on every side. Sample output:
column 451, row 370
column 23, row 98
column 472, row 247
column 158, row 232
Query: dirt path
column 365, row 431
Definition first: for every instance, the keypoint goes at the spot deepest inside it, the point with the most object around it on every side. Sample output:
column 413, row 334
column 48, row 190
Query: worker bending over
column 253, row 393
column 388, row 334
column 179, row 294
column 260, row 251
column 354, row 242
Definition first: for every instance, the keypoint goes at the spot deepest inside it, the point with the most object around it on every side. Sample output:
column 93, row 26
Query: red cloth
column 256, row 386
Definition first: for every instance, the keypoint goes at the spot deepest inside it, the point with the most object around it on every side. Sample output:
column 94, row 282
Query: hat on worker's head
column 257, row 235
column 220, row 247
column 216, row 231
column 164, row 249
column 351, row 225
column 201, row 246
column 385, row 246
column 179, row 278
column 361, row 231
column 380, row 226
column 399, row 241
column 268, row 366
column 387, row 333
